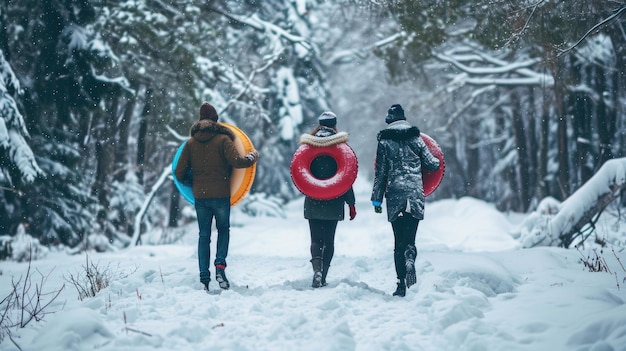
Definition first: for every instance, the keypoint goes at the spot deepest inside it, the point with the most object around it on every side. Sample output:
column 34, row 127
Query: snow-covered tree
column 68, row 87
column 18, row 166
column 18, row 159
column 106, row 82
column 522, row 68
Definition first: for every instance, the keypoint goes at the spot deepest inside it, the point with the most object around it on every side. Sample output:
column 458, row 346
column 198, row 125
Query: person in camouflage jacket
column 401, row 153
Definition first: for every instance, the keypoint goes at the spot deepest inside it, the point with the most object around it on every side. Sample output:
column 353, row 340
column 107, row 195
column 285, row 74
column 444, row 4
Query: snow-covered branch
column 144, row 207
column 12, row 127
column 502, row 67
column 562, row 222
column 482, row 69
column 258, row 24
column 346, row 56
column 466, row 105
column 178, row 137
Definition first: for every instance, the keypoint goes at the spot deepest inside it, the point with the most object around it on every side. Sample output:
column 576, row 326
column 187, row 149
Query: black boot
column 220, row 276
column 401, row 289
column 409, row 258
column 316, row 262
column 324, row 274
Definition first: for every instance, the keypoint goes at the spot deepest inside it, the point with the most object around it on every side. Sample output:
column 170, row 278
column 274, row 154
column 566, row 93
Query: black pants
column 323, row 239
column 404, row 231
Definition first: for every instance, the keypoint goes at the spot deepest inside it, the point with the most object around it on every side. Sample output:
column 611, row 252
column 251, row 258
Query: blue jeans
column 206, row 209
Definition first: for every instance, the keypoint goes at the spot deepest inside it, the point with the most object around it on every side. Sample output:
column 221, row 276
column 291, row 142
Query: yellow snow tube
column 241, row 179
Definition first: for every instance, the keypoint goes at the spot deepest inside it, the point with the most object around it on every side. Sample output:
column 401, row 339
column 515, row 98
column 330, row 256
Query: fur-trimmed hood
column 398, row 133
column 205, row 129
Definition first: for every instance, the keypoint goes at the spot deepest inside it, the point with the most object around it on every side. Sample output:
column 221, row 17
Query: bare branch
column 526, row 23
column 129, row 329
column 594, row 29
column 345, row 56
column 22, row 305
column 466, row 105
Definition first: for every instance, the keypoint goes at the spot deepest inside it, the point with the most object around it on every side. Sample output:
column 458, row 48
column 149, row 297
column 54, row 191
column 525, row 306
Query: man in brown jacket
column 211, row 155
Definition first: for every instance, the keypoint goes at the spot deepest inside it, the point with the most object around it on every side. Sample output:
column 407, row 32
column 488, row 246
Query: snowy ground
column 476, row 291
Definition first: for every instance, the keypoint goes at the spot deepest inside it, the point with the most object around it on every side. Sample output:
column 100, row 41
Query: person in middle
column 324, row 215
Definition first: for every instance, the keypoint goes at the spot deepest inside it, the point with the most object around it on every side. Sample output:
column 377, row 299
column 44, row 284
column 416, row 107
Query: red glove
column 352, row 211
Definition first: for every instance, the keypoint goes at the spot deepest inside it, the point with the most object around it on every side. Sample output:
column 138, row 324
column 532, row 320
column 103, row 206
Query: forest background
column 526, row 98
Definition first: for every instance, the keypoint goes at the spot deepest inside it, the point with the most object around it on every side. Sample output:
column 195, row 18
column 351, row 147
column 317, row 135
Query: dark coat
column 211, row 155
column 326, row 209
column 400, row 155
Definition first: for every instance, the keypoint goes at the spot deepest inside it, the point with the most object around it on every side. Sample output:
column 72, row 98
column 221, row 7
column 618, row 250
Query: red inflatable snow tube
column 430, row 179
column 324, row 188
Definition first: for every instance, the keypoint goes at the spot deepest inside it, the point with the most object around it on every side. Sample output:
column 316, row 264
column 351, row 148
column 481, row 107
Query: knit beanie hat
column 327, row 119
column 395, row 113
column 207, row 111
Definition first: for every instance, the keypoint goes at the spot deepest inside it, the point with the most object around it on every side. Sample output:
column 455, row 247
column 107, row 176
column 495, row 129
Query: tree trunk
column 121, row 150
column 105, row 159
column 618, row 88
column 141, row 138
column 563, row 172
column 174, row 207
column 519, row 132
column 581, row 112
column 533, row 145
column 472, row 169
column 605, row 119
column 544, row 134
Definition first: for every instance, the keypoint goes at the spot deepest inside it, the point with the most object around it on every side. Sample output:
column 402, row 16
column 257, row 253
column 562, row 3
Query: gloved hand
column 377, row 206
column 352, row 211
column 253, row 155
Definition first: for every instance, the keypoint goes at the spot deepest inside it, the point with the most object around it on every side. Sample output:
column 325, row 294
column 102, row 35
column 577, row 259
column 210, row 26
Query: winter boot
column 317, row 272
column 401, row 289
column 220, row 276
column 409, row 258
column 324, row 274
column 205, row 279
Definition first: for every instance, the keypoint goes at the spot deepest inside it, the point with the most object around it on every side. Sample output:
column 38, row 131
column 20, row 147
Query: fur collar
column 398, row 133
column 319, row 141
column 206, row 128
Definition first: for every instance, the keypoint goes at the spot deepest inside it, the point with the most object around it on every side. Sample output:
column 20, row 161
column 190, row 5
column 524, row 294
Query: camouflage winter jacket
column 400, row 155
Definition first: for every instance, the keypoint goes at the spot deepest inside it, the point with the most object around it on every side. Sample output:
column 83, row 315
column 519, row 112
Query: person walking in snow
column 401, row 153
column 324, row 215
column 211, row 155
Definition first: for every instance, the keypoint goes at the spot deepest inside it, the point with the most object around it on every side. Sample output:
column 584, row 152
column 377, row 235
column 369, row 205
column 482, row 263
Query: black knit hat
column 207, row 111
column 327, row 119
column 395, row 113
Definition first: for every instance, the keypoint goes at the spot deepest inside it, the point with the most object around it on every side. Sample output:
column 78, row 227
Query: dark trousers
column 323, row 239
column 404, row 231
column 206, row 209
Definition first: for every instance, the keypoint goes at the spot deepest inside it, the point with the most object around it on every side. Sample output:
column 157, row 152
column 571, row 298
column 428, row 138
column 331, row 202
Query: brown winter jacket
column 211, row 155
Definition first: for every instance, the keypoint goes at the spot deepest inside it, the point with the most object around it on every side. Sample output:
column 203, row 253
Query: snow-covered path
column 476, row 291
